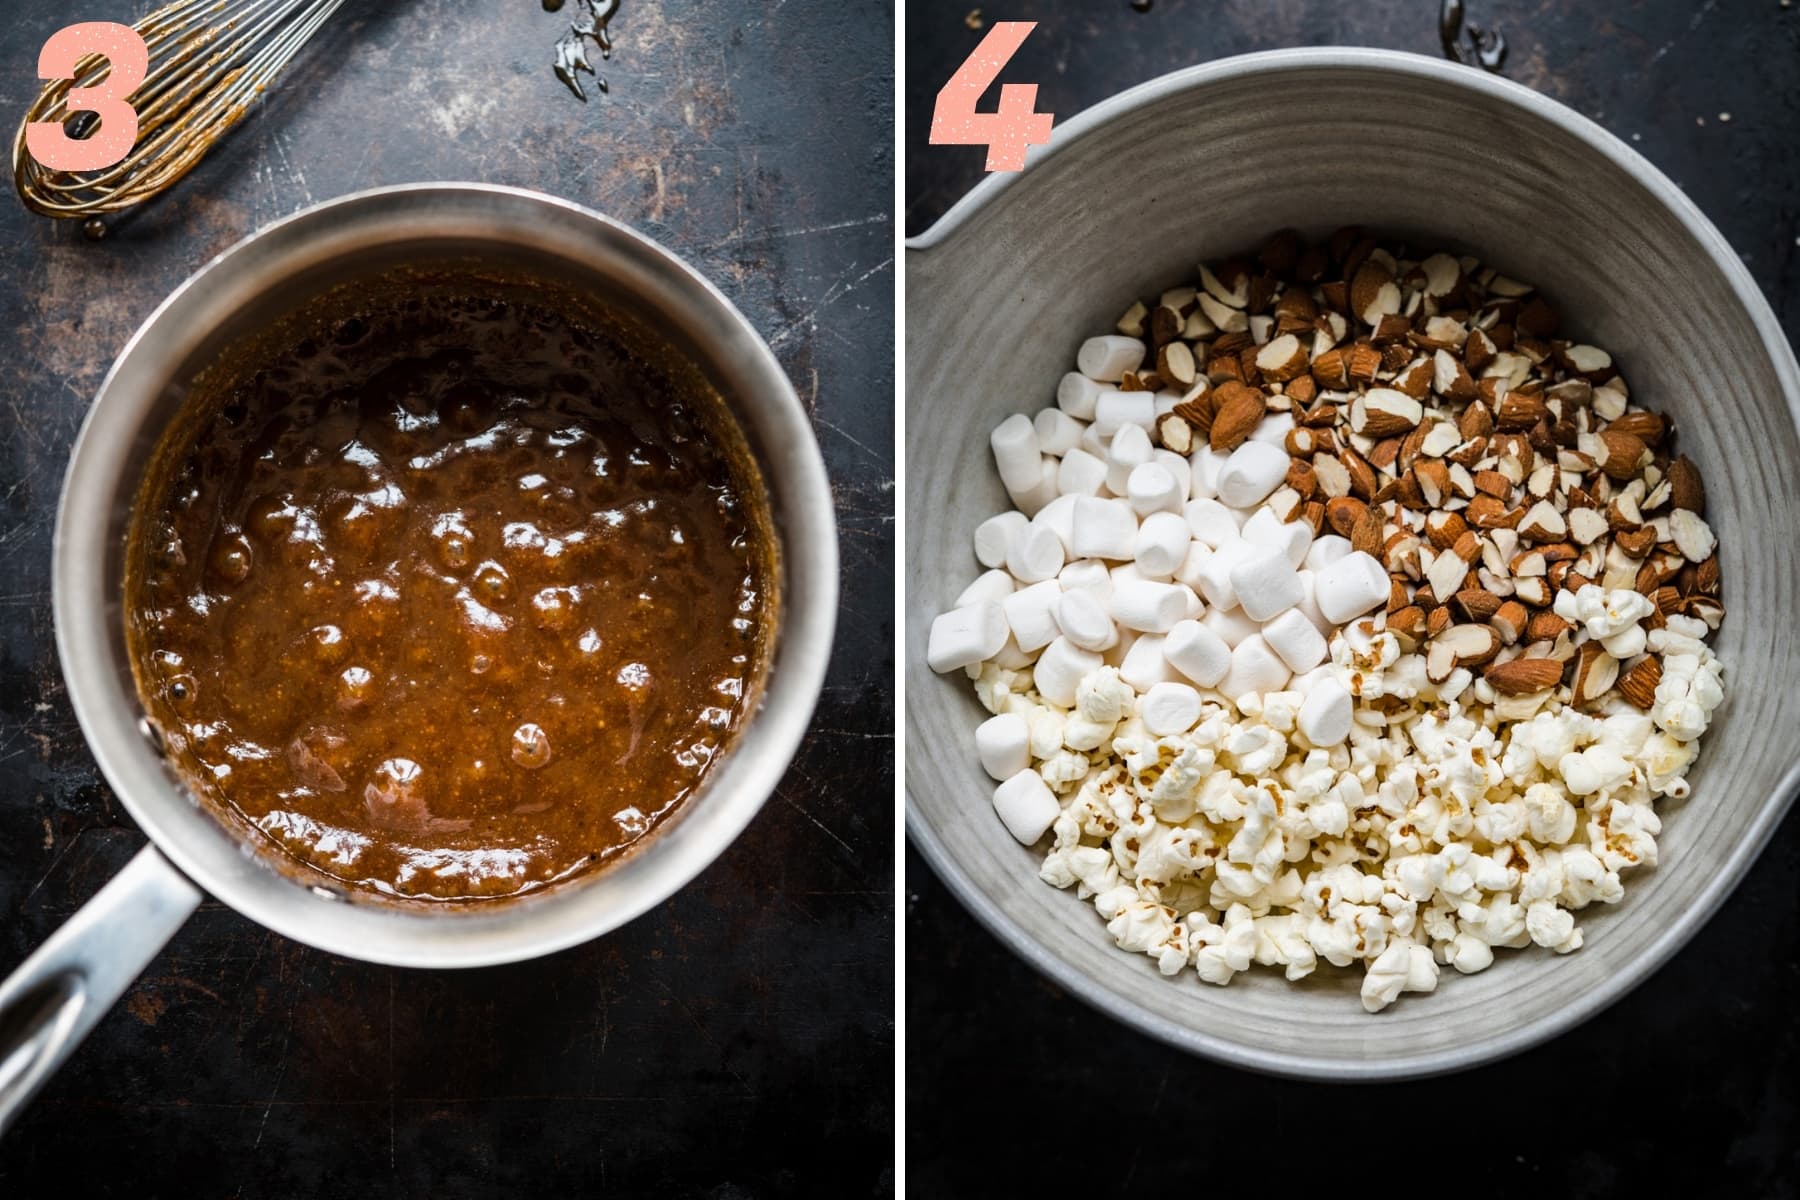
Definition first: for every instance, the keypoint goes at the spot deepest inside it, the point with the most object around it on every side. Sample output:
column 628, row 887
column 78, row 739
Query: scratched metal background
column 1689, row 1086
column 738, row 1040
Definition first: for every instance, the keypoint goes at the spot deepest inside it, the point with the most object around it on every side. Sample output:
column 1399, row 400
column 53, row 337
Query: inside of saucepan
column 1207, row 164
column 447, row 582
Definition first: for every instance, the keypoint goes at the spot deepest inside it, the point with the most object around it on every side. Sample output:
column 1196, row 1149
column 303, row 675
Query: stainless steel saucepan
column 51, row 1002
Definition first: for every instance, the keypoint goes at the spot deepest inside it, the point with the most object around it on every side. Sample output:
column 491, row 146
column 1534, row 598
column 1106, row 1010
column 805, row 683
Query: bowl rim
column 1120, row 1005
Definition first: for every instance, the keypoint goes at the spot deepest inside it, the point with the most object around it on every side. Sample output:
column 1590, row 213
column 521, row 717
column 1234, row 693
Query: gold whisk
column 209, row 62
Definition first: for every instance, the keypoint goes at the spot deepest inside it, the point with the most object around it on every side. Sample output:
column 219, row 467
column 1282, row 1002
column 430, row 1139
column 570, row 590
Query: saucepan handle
column 48, row 1005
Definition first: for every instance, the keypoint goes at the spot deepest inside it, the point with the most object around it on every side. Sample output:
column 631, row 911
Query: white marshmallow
column 1178, row 466
column 1085, row 621
column 1309, row 602
column 1080, row 473
column 1104, row 529
column 1087, row 574
column 1195, row 605
column 1325, row 715
column 1265, row 583
column 1059, row 515
column 1148, row 607
column 1076, row 395
column 1254, row 668
column 1292, row 538
column 1207, row 463
column 1167, row 399
column 995, row 534
column 1031, row 614
column 1035, row 555
column 1116, row 410
column 1230, row 625
column 1188, row 573
column 1215, row 574
column 1093, row 443
column 1010, row 657
column 1115, row 653
column 1143, row 665
column 1124, row 573
column 1129, row 449
column 1211, row 522
column 1059, row 669
column 1151, row 489
column 1016, row 453
column 1170, row 708
column 1350, row 587
column 1057, row 432
column 1107, row 358
column 1029, row 500
column 1325, row 550
column 1292, row 636
column 1027, row 806
column 1162, row 542
column 963, row 637
column 1004, row 745
column 1253, row 471
column 995, row 585
column 1274, row 429
column 1197, row 652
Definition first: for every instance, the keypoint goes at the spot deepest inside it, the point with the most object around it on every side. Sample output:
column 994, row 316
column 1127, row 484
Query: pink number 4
column 1009, row 130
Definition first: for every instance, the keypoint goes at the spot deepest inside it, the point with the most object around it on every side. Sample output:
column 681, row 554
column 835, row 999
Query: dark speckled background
column 1691, row 1085
column 736, row 1041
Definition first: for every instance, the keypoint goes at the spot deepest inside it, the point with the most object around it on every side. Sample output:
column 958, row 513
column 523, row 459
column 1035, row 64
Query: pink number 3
column 1007, row 132
column 62, row 55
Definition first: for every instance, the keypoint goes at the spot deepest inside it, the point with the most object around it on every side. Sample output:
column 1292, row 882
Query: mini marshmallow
column 1151, row 489
column 1129, row 449
column 1143, row 665
column 1264, row 581
column 1125, row 573
column 1254, row 668
column 1093, row 443
column 1080, row 473
column 1253, row 471
column 1309, row 602
column 1059, row 515
column 1016, row 452
column 1087, row 574
column 1326, row 713
column 1188, row 573
column 1030, row 500
column 1197, row 652
column 1057, row 432
column 1010, row 657
column 1026, row 806
column 1230, row 625
column 1292, row 538
column 1162, row 542
column 1215, row 574
column 1104, row 529
column 1170, row 708
column 1114, row 655
column 1350, row 587
column 1211, row 522
column 1035, row 555
column 1195, row 605
column 1274, row 429
column 1117, row 410
column 1059, row 670
column 1178, row 466
column 1085, row 621
column 963, row 637
column 1166, row 400
column 995, row 534
column 1206, row 463
column 1031, row 614
column 1004, row 745
column 1148, row 607
column 1291, row 635
column 1107, row 358
column 1325, row 550
column 1076, row 395
column 995, row 586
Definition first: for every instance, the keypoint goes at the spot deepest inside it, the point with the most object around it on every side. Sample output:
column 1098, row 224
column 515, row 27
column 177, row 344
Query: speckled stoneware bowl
column 1128, row 198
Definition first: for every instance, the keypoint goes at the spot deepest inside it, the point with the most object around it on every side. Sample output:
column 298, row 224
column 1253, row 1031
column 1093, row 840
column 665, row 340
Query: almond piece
column 1459, row 646
column 1373, row 294
column 1638, row 685
column 1691, row 535
column 1533, row 590
column 1282, row 359
column 1636, row 542
column 1451, row 379
column 1367, row 534
column 1625, row 454
column 1523, row 676
column 1363, row 362
column 1240, row 409
column 1334, row 477
column 1648, row 427
column 1595, row 672
column 1443, row 529
column 1511, row 620
column 1131, row 324
column 1175, row 362
column 1519, row 411
column 1301, row 478
column 1543, row 523
column 1586, row 525
column 1477, row 604
column 1331, row 368
column 1362, row 475
column 1343, row 513
column 1174, row 433
column 1434, row 483
column 1545, row 626
column 1685, row 489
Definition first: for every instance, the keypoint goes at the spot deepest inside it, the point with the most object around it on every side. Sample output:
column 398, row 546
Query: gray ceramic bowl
column 1126, row 200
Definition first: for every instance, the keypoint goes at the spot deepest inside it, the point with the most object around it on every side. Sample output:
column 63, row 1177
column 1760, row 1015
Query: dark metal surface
column 1685, row 1087
column 736, row 1041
